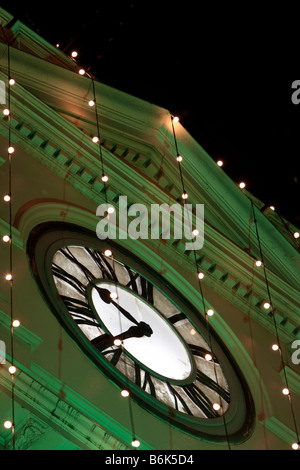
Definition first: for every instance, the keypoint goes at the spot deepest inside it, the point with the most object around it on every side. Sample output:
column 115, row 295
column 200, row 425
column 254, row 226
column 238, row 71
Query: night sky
column 226, row 71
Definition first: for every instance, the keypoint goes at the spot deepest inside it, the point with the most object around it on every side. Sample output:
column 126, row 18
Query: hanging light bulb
column 195, row 232
column 208, row 357
column 8, row 277
column 135, row 443
column 104, row 178
column 11, row 81
column 175, row 118
column 275, row 347
column 200, row 275
column 7, row 424
column 258, row 263
column 6, row 238
column 10, row 150
column 74, row 54
column 296, row 235
column 16, row 323
column 6, row 198
column 6, row 112
column 108, row 252
column 113, row 295
column 216, row 406
column 285, row 391
column 184, row 195
column 125, row 393
column 117, row 342
column 91, row 103
column 267, row 305
column 12, row 370
column 242, row 185
column 81, row 72
column 111, row 210
column 210, row 312
column 295, row 446
column 179, row 158
column 95, row 139
column 220, row 163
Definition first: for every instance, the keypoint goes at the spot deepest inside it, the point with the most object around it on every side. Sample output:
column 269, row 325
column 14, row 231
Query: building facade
column 67, row 382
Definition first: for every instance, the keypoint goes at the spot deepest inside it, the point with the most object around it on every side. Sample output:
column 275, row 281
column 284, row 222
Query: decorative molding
column 280, row 430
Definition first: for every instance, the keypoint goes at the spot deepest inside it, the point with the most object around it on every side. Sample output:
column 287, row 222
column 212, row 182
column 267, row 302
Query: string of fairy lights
column 7, row 238
column 268, row 305
column 125, row 392
column 208, row 312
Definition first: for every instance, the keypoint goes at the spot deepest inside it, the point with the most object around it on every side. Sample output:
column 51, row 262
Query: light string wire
column 104, row 180
column 9, row 154
column 200, row 285
column 275, row 323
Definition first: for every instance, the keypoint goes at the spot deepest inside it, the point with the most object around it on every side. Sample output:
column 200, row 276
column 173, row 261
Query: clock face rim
column 46, row 238
column 192, row 374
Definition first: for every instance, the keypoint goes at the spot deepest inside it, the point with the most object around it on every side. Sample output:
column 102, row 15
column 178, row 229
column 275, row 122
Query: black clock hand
column 104, row 341
column 105, row 296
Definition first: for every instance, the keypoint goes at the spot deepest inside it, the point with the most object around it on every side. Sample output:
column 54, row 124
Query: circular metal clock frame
column 45, row 239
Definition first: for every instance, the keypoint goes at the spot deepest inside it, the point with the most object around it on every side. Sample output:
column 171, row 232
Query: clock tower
column 186, row 334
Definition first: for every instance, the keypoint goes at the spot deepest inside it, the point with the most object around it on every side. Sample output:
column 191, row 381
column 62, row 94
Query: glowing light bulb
column 135, row 443
column 267, row 305
column 6, row 238
column 208, row 357
column 200, row 275
column 11, row 81
column 193, row 332
column 117, row 342
column 111, row 210
column 176, row 119
column 275, row 347
column 184, row 195
column 242, row 185
column 12, row 370
column 210, row 312
column 10, row 150
column 6, row 198
column 285, row 391
column 6, row 112
column 258, row 263
column 296, row 235
column 216, row 406
column 195, row 232
column 74, row 54
column 8, row 277
column 113, row 295
column 219, row 163
column 108, row 252
column 81, row 72
column 16, row 323
column 125, row 393
column 295, row 446
column 272, row 208
column 7, row 424
column 179, row 158
column 104, row 178
column 91, row 103
column 95, row 139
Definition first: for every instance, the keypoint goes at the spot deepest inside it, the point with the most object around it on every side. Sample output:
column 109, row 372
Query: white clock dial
column 163, row 352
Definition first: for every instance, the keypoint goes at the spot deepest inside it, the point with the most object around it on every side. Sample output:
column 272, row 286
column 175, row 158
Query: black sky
column 225, row 69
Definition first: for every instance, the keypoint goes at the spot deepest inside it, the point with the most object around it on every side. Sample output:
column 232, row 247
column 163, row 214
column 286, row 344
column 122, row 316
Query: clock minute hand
column 105, row 296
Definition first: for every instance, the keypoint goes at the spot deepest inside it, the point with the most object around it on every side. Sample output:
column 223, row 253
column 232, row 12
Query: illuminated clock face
column 140, row 331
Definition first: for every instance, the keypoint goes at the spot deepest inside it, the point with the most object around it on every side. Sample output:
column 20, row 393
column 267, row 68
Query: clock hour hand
column 105, row 296
column 106, row 340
